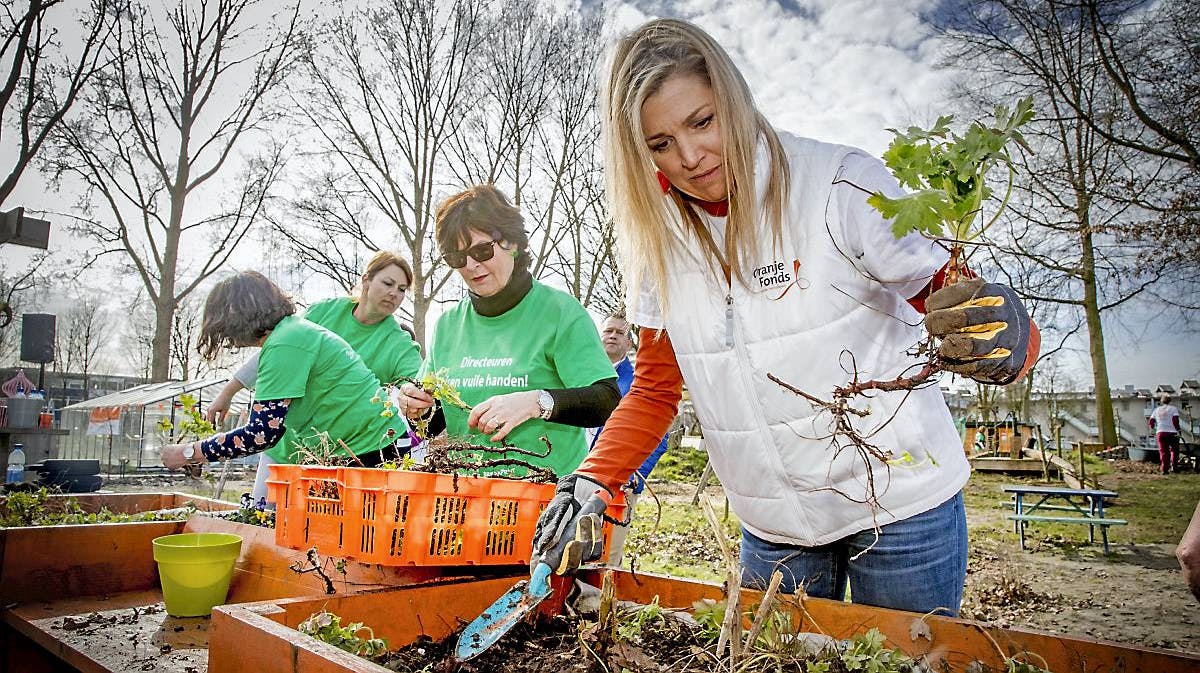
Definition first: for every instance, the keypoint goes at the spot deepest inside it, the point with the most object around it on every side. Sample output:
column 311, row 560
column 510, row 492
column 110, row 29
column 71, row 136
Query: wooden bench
column 1086, row 504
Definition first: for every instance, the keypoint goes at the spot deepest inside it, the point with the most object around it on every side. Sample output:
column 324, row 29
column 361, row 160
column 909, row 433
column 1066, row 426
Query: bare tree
column 571, row 224
column 1152, row 58
column 388, row 88
column 1066, row 239
column 158, row 124
column 18, row 288
column 82, row 331
column 510, row 97
column 507, row 96
column 41, row 81
column 137, row 336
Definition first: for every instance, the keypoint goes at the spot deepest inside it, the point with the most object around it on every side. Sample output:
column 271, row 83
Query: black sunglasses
column 480, row 252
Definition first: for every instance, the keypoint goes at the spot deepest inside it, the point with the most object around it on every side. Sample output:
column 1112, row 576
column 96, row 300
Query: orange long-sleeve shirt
column 643, row 416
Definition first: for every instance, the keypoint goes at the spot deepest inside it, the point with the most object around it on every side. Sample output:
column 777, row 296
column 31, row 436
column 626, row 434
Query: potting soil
column 668, row 643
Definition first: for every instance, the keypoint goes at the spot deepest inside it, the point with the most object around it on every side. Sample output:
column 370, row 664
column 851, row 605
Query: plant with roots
column 946, row 175
column 191, row 424
column 460, row 457
column 947, row 178
column 438, row 386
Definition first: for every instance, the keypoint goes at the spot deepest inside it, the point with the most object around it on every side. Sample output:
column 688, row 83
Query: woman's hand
column 218, row 409
column 502, row 413
column 172, row 456
column 413, row 401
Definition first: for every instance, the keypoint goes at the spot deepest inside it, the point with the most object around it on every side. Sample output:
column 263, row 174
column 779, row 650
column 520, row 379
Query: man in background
column 616, row 334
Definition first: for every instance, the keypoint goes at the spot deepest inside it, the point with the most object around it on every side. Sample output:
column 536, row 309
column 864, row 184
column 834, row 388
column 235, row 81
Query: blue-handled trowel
column 526, row 595
column 504, row 614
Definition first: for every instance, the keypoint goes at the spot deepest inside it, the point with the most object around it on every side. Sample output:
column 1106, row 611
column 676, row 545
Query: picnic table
column 1053, row 504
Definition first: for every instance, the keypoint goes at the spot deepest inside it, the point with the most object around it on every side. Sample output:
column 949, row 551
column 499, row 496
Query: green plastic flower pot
column 195, row 570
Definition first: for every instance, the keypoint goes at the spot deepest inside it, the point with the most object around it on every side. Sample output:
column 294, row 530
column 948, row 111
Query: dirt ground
column 1134, row 595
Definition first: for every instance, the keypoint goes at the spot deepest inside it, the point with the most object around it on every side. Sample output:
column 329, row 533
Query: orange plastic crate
column 394, row 517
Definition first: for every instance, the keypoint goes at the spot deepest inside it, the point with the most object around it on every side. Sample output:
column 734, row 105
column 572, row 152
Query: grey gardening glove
column 569, row 532
column 984, row 330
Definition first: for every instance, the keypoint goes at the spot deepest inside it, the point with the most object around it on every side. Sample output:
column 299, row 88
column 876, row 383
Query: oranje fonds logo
column 775, row 275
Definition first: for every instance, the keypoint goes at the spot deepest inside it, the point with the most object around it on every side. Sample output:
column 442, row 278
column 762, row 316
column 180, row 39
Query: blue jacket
column 624, row 381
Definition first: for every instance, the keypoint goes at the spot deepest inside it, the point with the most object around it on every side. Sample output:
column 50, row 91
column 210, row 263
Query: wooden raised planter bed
column 52, row 578
column 400, row 615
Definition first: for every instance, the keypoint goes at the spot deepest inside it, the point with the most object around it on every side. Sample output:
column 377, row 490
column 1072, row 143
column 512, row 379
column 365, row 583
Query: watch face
column 189, row 452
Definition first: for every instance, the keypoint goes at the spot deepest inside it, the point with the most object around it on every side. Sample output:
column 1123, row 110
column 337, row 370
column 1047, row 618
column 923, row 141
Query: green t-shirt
column 385, row 347
column 546, row 341
column 329, row 386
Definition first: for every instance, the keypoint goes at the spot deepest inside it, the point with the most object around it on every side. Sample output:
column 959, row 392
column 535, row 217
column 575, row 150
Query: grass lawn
column 1157, row 508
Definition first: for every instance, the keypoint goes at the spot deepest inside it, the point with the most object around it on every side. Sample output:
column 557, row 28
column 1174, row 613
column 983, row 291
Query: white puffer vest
column 809, row 309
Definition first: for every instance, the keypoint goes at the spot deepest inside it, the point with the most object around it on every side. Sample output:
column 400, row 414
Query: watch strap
column 545, row 404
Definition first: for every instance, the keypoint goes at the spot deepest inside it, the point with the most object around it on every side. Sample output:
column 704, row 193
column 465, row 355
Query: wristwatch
column 546, row 404
column 189, row 453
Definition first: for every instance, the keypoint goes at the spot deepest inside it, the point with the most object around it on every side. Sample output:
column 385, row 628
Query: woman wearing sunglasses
column 524, row 355
column 308, row 379
column 751, row 252
column 366, row 322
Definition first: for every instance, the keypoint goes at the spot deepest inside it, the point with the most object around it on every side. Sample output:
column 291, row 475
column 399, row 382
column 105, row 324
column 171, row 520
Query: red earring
column 663, row 182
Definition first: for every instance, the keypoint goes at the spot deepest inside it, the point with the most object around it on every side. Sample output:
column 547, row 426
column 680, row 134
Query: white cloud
column 836, row 71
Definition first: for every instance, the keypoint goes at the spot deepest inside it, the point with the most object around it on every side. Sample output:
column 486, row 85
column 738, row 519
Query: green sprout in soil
column 327, row 628
column 37, row 508
column 637, row 619
column 710, row 615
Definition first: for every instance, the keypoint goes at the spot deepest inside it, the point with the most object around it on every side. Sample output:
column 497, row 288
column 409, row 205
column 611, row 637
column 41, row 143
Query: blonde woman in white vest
column 750, row 251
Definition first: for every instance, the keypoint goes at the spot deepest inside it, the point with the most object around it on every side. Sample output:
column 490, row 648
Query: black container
column 69, row 476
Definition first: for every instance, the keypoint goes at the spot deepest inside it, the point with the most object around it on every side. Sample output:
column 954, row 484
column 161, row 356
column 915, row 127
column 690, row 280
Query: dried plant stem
column 764, row 609
column 314, row 566
column 607, row 619
column 731, row 626
column 353, row 458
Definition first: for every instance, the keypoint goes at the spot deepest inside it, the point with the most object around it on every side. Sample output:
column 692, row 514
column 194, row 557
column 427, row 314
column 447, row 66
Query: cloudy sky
column 845, row 71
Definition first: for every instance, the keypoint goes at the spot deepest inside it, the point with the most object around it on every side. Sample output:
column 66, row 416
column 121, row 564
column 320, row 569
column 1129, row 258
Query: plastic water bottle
column 16, row 466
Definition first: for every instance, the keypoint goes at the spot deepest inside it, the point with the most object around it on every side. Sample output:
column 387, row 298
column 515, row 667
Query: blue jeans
column 918, row 564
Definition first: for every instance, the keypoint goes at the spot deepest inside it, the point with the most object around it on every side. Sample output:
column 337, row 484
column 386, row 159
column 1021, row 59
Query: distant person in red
column 1164, row 421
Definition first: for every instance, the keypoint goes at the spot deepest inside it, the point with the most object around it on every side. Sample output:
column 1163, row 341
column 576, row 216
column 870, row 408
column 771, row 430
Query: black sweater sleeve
column 587, row 406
